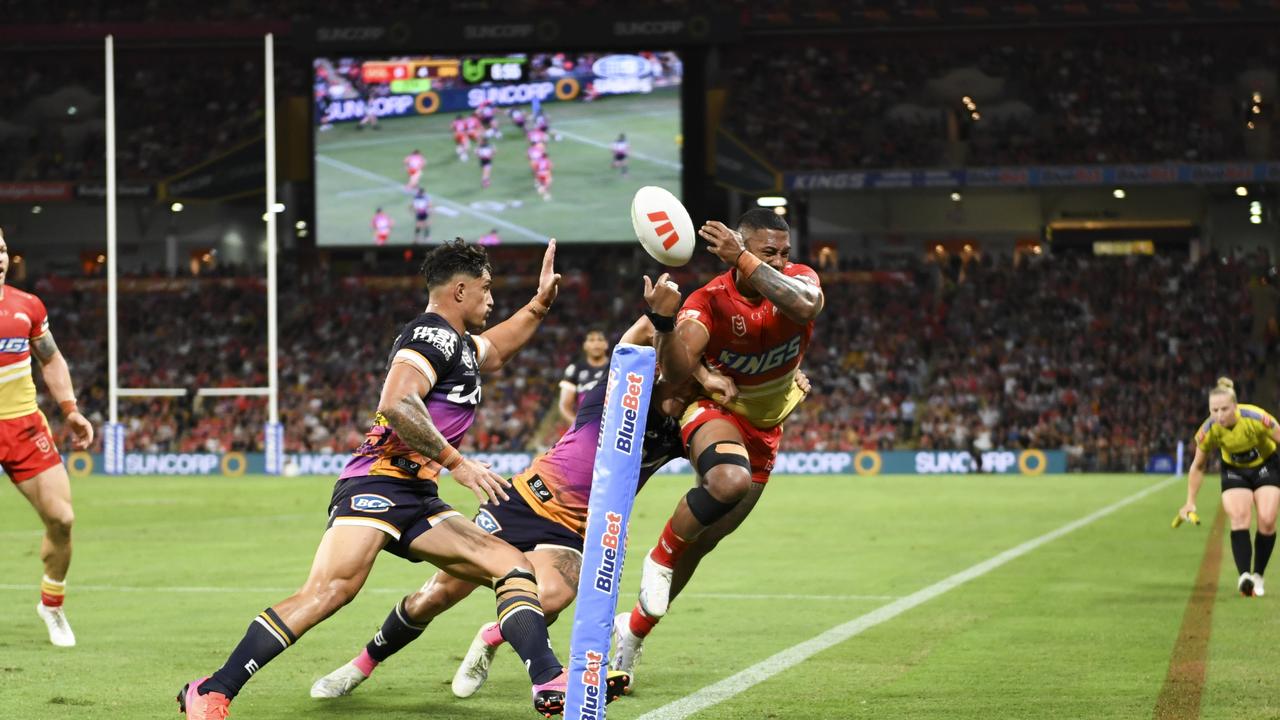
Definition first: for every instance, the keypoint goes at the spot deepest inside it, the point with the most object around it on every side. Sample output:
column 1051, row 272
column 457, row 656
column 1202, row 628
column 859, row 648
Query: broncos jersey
column 581, row 377
column 451, row 361
column 558, row 483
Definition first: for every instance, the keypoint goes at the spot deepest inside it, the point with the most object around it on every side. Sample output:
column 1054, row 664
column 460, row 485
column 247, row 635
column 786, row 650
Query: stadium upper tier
column 1105, row 357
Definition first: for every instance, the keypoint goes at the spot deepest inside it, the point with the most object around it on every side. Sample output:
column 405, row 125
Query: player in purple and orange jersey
column 585, row 374
column 387, row 497
column 547, row 520
column 27, row 450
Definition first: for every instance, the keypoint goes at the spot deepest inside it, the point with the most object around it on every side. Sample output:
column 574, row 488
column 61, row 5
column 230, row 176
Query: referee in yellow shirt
column 1246, row 436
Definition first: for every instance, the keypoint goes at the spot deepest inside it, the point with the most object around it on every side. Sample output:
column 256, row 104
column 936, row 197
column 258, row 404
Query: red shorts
column 381, row 238
column 762, row 445
column 26, row 446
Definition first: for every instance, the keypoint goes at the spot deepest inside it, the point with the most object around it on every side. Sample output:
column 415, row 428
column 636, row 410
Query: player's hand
column 663, row 296
column 722, row 242
column 721, row 387
column 548, row 279
column 1186, row 513
column 477, row 477
column 802, row 382
column 81, row 431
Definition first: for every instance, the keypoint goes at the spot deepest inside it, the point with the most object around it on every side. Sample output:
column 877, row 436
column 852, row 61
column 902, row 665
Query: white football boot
column 627, row 647
column 474, row 669
column 1245, row 584
column 655, row 587
column 1258, row 589
column 339, row 683
column 59, row 629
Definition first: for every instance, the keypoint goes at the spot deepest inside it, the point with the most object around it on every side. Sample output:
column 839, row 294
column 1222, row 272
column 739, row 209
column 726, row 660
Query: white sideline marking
column 388, row 182
column 401, row 591
column 767, row 668
column 607, row 146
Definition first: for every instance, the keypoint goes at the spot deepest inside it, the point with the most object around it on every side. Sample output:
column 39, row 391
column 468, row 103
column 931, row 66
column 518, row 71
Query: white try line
column 767, row 668
column 183, row 589
column 367, row 175
column 608, row 146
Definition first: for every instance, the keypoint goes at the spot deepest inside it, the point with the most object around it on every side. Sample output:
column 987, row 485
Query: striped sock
column 521, row 622
column 266, row 638
column 52, row 592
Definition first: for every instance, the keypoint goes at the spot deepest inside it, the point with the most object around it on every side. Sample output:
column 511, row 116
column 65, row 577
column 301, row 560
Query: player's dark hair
column 595, row 331
column 762, row 219
column 451, row 258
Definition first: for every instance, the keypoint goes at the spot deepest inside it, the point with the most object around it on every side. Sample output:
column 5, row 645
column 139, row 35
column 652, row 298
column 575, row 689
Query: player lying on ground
column 753, row 324
column 1247, row 437
column 387, row 497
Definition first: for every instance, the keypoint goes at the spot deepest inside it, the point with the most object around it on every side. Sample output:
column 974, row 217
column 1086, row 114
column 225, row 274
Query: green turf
column 1081, row 627
column 358, row 171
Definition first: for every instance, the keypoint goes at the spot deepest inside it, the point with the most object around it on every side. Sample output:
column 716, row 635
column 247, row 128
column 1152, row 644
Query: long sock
column 492, row 635
column 1262, row 547
column 397, row 631
column 266, row 638
column 669, row 548
column 1241, row 549
column 52, row 592
column 641, row 622
column 523, row 625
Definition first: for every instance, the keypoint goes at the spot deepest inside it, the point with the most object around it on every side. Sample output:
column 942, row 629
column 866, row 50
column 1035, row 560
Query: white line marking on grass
column 658, row 161
column 179, row 589
column 767, row 668
column 361, row 172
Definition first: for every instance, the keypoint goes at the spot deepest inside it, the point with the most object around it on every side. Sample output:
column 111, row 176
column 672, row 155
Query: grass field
column 359, row 171
column 168, row 573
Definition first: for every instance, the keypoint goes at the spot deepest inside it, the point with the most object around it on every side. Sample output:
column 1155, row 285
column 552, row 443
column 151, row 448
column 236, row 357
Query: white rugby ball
column 662, row 225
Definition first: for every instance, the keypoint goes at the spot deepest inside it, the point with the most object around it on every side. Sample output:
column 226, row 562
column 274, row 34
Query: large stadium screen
column 500, row 149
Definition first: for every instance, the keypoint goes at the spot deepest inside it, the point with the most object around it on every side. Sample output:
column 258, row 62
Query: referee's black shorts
column 1268, row 473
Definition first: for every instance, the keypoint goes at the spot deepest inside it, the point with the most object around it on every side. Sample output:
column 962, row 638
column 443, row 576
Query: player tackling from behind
column 1247, row 437
column 387, row 497
column 752, row 324
column 29, row 455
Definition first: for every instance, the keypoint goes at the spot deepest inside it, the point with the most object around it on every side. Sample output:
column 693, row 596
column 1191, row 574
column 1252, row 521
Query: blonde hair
column 1224, row 387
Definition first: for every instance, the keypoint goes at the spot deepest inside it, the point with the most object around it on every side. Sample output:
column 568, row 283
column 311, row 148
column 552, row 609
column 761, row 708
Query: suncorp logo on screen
column 622, row 66
column 510, row 94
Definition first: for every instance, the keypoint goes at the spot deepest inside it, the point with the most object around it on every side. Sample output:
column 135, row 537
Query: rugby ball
column 662, row 225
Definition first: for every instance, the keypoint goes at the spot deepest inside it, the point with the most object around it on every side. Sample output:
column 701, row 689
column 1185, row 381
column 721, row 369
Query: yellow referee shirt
column 1247, row 444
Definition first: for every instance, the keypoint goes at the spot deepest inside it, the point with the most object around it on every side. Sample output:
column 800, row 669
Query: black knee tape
column 705, row 508
column 724, row 453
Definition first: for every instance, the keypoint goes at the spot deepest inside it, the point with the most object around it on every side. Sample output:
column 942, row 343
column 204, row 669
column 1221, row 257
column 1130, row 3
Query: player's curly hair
column 762, row 219
column 452, row 258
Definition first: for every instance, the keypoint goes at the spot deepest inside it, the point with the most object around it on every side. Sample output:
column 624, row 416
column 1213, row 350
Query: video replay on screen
column 498, row 149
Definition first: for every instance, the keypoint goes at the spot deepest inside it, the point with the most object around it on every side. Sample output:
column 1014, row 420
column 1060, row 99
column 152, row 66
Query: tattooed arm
column 57, row 376
column 401, row 404
column 796, row 298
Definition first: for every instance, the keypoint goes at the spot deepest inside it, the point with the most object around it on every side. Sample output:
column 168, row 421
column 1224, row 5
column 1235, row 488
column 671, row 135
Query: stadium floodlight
column 1118, row 193
column 1242, row 191
column 1255, row 208
column 956, row 197
column 36, row 209
column 780, row 210
column 300, row 225
column 177, row 207
column 1255, row 219
column 277, row 207
column 771, row 201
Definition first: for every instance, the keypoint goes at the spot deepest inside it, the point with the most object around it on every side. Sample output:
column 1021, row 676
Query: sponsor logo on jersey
column 763, row 362
column 444, row 341
column 14, row 345
column 486, row 522
column 371, row 503
column 540, row 490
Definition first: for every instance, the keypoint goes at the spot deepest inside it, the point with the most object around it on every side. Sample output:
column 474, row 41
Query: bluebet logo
column 625, row 439
column 607, row 572
column 591, row 685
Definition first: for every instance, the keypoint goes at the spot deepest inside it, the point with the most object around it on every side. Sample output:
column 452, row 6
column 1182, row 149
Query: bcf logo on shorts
column 486, row 522
column 371, row 503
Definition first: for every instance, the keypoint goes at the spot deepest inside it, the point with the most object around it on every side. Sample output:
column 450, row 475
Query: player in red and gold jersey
column 752, row 324
column 27, row 450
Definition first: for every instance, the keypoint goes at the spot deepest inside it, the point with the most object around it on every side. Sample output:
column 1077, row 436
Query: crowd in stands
column 1144, row 96
column 1106, row 358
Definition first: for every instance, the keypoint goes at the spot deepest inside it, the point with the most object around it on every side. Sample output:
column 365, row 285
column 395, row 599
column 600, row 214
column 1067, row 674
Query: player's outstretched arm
column 796, row 298
column 57, row 376
column 1195, row 478
column 679, row 346
column 507, row 337
column 401, row 404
